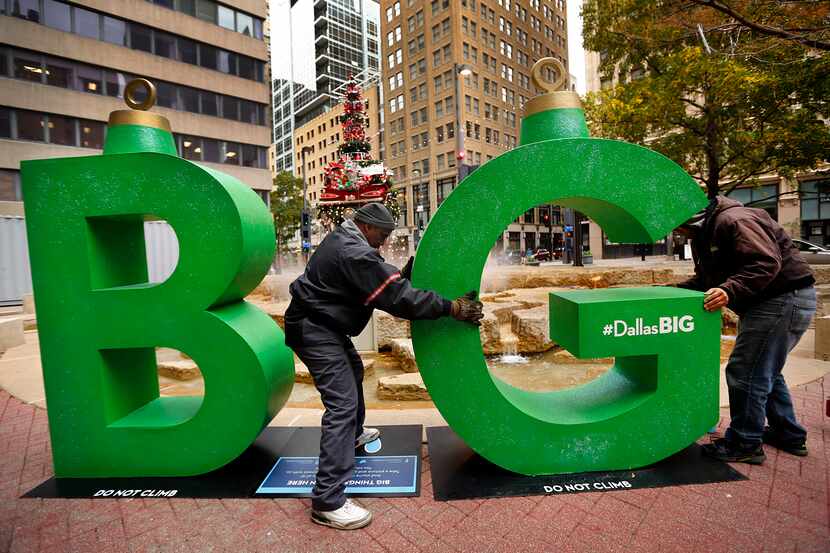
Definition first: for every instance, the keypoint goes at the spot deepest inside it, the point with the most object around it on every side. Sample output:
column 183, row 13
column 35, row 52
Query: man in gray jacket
column 344, row 281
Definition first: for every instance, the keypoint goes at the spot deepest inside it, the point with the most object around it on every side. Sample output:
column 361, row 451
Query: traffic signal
column 546, row 217
column 306, row 218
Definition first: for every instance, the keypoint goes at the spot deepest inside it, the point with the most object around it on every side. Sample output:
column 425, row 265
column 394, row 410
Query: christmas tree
column 355, row 178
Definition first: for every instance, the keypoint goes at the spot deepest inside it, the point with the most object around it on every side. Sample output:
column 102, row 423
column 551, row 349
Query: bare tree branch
column 764, row 29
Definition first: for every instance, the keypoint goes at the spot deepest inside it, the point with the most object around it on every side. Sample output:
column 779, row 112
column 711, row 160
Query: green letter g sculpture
column 662, row 392
column 100, row 320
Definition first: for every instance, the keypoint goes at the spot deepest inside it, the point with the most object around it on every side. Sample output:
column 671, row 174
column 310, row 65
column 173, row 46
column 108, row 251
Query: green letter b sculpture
column 100, row 320
column 662, row 392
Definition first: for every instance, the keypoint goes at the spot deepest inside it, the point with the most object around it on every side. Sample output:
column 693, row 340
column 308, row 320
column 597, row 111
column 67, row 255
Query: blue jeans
column 768, row 332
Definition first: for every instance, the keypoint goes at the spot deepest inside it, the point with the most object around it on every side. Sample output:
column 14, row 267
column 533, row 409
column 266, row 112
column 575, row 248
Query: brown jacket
column 746, row 253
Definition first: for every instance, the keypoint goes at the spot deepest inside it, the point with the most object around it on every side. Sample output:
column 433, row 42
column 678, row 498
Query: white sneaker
column 369, row 435
column 350, row 516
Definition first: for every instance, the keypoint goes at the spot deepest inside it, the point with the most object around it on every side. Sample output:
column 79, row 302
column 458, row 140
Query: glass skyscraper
column 315, row 51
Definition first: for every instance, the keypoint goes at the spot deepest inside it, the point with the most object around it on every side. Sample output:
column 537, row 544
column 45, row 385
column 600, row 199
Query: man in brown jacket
column 745, row 260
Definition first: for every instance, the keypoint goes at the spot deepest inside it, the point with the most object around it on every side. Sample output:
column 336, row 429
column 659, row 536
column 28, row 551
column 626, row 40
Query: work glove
column 406, row 272
column 468, row 309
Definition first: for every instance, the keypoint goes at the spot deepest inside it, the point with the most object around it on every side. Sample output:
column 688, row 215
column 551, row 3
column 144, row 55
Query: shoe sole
column 797, row 452
column 755, row 460
column 339, row 526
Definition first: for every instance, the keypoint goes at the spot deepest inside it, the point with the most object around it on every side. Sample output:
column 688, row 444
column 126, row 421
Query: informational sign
column 372, row 475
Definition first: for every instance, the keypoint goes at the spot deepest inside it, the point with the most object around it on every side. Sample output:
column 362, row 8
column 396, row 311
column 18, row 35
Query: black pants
column 338, row 375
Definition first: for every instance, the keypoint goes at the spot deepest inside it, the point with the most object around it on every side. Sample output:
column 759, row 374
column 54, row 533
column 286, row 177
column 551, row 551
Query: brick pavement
column 783, row 508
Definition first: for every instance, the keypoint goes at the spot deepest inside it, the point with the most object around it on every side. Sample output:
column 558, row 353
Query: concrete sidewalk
column 783, row 507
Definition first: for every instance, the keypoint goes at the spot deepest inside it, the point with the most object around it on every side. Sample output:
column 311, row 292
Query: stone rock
column 822, row 299
column 490, row 334
column 729, row 322
column 552, row 276
column 532, row 330
column 29, row 321
column 274, row 309
column 822, row 340
column 726, row 347
column 566, row 358
column 403, row 352
column 302, row 376
column 11, row 332
column 822, row 273
column 29, row 303
column 388, row 328
column 402, row 387
column 185, row 369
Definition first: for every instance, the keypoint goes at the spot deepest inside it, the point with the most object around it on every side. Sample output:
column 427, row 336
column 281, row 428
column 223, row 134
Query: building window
column 5, row 123
column 92, row 134
column 444, row 186
column 62, row 130
column 57, row 15
column 26, row 9
column 141, row 38
column 10, row 186
column 762, row 197
column 30, row 125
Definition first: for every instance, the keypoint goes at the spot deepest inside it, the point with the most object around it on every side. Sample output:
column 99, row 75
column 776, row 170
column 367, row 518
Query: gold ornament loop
column 132, row 87
column 540, row 82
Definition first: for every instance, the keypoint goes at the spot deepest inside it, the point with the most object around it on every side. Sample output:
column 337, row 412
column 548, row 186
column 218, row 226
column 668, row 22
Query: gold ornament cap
column 553, row 98
column 138, row 114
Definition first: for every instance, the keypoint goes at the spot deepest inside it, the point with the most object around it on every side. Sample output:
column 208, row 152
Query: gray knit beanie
column 377, row 215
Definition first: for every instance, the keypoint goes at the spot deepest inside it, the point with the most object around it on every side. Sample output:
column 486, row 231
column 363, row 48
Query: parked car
column 542, row 255
column 511, row 257
column 813, row 253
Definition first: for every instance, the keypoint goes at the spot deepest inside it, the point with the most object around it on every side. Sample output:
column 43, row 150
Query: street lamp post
column 417, row 208
column 460, row 153
column 305, row 216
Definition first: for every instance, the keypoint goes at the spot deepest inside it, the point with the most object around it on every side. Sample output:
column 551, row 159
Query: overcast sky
column 576, row 55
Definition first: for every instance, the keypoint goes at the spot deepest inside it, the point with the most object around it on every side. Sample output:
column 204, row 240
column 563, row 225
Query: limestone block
column 402, row 387
column 822, row 273
column 403, row 352
column 29, row 321
column 29, row 303
column 11, row 332
column 729, row 322
column 274, row 309
column 302, row 376
column 822, row 346
column 822, row 299
column 185, row 369
column 565, row 357
column 490, row 335
column 388, row 328
column 532, row 330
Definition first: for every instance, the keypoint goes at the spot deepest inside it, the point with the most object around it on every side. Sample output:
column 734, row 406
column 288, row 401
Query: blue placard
column 375, row 474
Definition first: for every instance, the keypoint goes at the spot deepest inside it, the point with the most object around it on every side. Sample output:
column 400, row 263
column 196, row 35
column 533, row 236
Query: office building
column 322, row 44
column 64, row 66
column 462, row 65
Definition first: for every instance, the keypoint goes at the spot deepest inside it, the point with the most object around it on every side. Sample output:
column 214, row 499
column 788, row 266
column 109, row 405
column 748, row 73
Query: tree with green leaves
column 730, row 90
column 287, row 207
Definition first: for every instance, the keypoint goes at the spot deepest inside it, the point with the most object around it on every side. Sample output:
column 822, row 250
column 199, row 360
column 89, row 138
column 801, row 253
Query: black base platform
column 381, row 471
column 460, row 473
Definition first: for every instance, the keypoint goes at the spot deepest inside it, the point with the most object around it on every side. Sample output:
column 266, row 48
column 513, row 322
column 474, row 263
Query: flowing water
column 510, row 356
